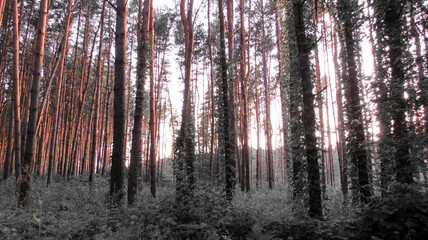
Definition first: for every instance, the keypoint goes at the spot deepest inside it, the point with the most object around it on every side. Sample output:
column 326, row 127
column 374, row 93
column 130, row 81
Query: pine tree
column 356, row 147
column 184, row 148
column 226, row 143
column 136, row 148
column 119, row 144
column 35, row 91
column 298, row 69
column 390, row 28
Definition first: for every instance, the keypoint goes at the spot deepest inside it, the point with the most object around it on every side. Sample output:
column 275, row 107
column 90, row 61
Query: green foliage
column 401, row 214
column 70, row 210
column 292, row 95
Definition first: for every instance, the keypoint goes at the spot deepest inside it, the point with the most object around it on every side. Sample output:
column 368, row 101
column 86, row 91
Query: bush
column 400, row 214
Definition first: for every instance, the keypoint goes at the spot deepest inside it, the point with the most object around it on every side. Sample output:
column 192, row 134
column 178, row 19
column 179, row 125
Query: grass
column 71, row 210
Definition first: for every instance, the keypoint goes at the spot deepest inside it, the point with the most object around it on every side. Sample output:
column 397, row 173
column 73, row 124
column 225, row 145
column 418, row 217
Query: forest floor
column 71, row 210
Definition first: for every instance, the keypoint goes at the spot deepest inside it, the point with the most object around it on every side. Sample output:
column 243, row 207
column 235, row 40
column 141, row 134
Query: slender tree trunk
column 226, row 144
column 152, row 121
column 185, row 141
column 212, row 96
column 231, row 73
column 308, row 113
column 85, row 160
column 16, row 91
column 422, row 81
column 257, row 105
column 319, row 90
column 357, row 144
column 43, row 144
column 2, row 8
column 31, row 131
column 10, row 143
column 245, row 150
column 384, row 145
column 394, row 25
column 83, row 89
column 330, row 167
column 268, row 127
column 390, row 25
column 279, row 30
column 136, row 148
column 106, row 133
column 107, row 116
column 97, row 95
column 55, row 125
column 341, row 142
column 119, row 144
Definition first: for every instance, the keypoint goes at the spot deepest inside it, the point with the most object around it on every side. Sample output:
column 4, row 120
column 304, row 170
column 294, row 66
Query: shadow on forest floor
column 70, row 210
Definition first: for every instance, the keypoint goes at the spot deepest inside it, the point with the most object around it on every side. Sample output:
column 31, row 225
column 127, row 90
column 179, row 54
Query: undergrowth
column 73, row 210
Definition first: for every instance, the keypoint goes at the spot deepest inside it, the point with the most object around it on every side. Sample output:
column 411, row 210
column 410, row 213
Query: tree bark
column 226, row 144
column 357, row 145
column 55, row 125
column 394, row 25
column 268, row 127
column 16, row 90
column 97, row 95
column 10, row 144
column 308, row 113
column 390, row 25
column 119, row 119
column 2, row 6
column 185, row 152
column 136, row 148
column 152, row 120
column 212, row 97
column 35, row 90
column 244, row 87
column 341, row 142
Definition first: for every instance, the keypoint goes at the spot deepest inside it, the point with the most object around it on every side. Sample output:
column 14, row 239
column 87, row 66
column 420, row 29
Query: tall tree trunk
column 394, row 26
column 85, row 160
column 10, row 144
column 308, row 113
column 2, row 7
column 341, row 143
column 136, row 148
column 243, row 78
column 212, row 96
column 152, row 120
column 185, row 152
column 422, row 80
column 390, row 25
column 16, row 90
column 268, row 127
column 119, row 144
column 106, row 134
column 330, row 167
column 319, row 90
column 293, row 100
column 97, row 95
column 231, row 73
column 44, row 141
column 107, row 128
column 31, row 131
column 279, row 30
column 83, row 89
column 257, row 106
column 55, row 125
column 357, row 145
column 226, row 143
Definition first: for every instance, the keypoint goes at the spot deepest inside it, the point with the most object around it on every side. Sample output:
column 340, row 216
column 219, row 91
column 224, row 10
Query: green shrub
column 400, row 214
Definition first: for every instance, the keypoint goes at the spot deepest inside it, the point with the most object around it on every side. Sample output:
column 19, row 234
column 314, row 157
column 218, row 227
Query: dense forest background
column 286, row 119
